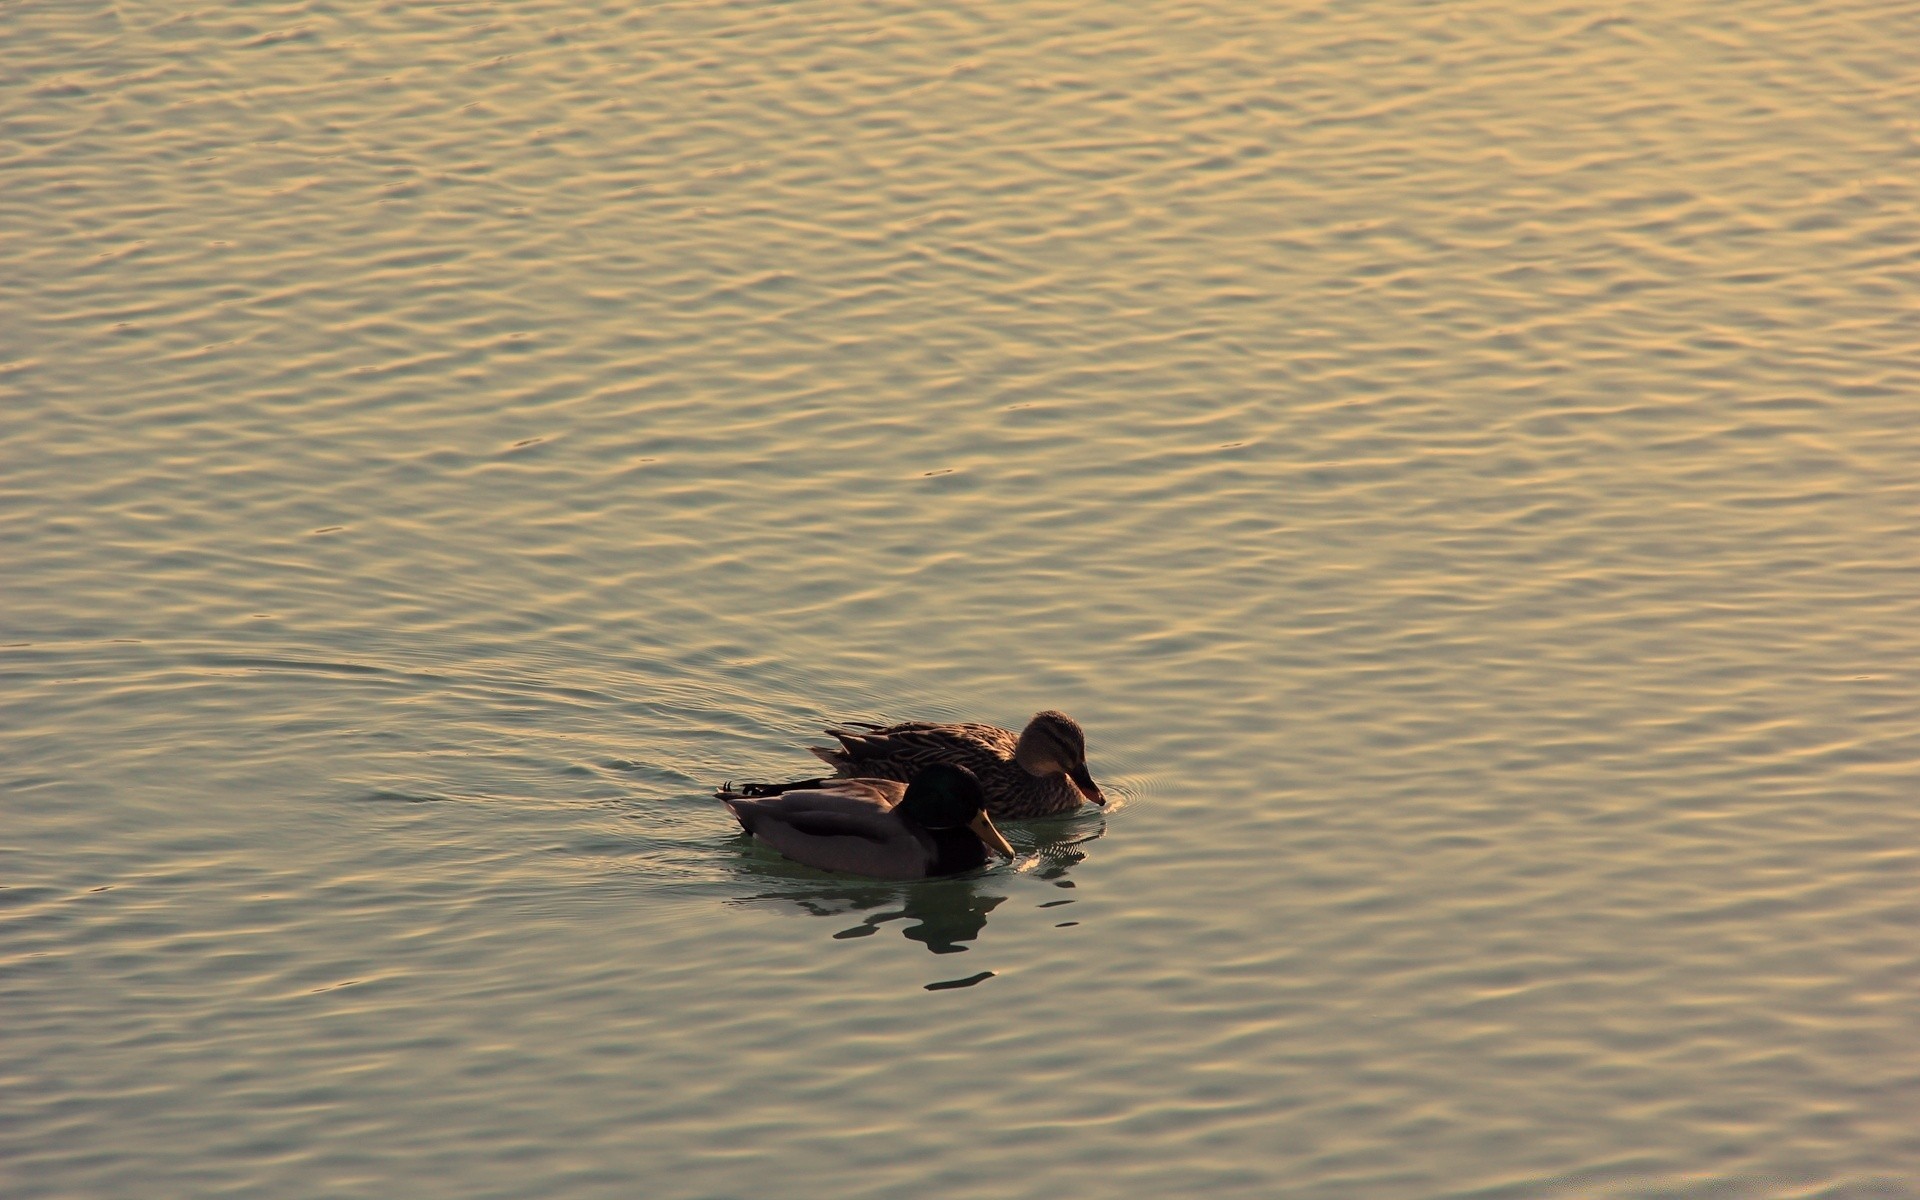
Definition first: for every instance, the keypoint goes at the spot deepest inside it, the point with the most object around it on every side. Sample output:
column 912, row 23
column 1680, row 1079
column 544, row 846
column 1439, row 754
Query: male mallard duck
column 935, row 825
column 1041, row 772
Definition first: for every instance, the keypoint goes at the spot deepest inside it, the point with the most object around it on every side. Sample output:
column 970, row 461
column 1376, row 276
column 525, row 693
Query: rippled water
column 1459, row 462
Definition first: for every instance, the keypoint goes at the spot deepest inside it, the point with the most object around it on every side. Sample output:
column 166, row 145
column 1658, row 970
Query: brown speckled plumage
column 1053, row 742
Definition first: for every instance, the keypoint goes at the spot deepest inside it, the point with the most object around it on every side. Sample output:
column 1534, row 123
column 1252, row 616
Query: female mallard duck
column 935, row 825
column 1041, row 772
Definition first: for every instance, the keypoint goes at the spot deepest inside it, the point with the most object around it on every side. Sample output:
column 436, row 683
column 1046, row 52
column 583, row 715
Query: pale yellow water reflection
column 1457, row 461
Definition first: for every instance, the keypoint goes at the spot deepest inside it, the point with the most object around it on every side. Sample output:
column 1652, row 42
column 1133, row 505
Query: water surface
column 1457, row 461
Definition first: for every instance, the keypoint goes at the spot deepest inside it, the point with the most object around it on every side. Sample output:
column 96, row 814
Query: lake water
column 1461, row 463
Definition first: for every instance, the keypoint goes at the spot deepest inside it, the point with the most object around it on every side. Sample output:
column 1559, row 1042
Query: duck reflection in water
column 944, row 915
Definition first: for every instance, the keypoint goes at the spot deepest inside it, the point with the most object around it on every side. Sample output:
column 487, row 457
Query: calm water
column 1461, row 463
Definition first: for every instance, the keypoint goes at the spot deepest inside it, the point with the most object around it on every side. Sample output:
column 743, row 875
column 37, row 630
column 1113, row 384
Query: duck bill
column 983, row 825
column 1085, row 783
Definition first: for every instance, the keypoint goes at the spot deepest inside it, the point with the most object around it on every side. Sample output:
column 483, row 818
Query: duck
column 936, row 824
column 1039, row 772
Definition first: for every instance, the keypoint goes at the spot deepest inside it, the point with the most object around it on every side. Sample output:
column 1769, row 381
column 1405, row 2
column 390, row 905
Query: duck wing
column 851, row 829
column 901, row 750
column 854, row 797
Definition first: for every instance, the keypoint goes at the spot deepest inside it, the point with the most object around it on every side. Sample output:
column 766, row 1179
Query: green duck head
column 945, row 796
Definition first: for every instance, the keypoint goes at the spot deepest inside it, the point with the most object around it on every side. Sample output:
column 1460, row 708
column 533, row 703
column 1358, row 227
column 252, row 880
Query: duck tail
column 731, row 791
column 734, row 804
column 760, row 791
